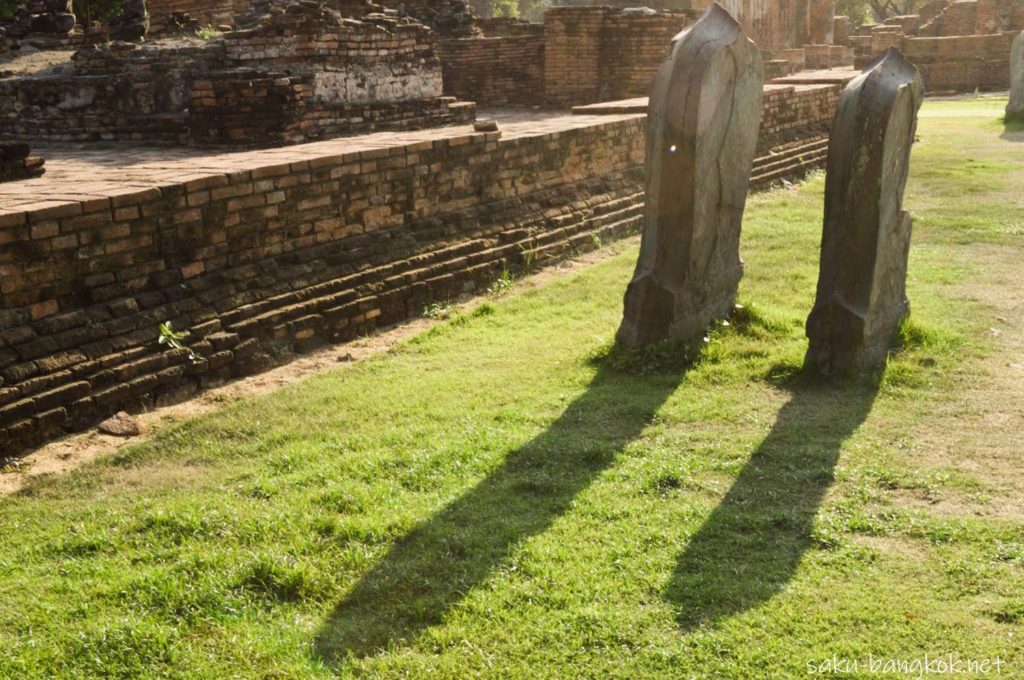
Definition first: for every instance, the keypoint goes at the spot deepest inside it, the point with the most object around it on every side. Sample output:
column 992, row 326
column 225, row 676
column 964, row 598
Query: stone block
column 861, row 298
column 703, row 119
column 1015, row 109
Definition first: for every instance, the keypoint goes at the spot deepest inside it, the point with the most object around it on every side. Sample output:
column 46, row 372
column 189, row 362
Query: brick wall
column 236, row 108
column 313, row 74
column 962, row 63
column 281, row 257
column 326, row 81
column 633, row 48
column 496, row 71
column 599, row 54
column 796, row 113
column 572, row 38
column 134, row 94
column 975, row 17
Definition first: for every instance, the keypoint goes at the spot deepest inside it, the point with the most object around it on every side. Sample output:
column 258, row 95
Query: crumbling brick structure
column 310, row 74
column 301, row 75
column 959, row 45
column 281, row 255
column 206, row 12
column 974, row 17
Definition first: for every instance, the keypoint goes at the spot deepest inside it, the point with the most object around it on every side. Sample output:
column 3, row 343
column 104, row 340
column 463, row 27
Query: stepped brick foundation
column 259, row 254
column 269, row 252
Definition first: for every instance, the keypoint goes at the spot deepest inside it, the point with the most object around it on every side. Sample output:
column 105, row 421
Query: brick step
column 123, row 367
column 583, row 242
column 794, row 170
column 429, row 265
column 796, row 160
column 768, row 163
column 322, row 297
column 789, row 161
column 322, row 300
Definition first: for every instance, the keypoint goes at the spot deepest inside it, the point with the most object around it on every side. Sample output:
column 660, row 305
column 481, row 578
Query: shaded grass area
column 507, row 496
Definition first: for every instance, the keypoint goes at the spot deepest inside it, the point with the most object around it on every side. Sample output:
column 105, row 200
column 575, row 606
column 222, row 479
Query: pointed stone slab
column 703, row 120
column 1015, row 110
column 861, row 297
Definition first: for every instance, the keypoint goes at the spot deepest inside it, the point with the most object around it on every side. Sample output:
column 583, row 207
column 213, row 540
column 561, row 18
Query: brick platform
column 259, row 254
column 262, row 253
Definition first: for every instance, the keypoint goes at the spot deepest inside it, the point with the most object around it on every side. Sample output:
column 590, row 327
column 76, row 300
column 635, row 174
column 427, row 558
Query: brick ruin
column 304, row 74
column 587, row 54
column 959, row 45
column 260, row 253
column 257, row 254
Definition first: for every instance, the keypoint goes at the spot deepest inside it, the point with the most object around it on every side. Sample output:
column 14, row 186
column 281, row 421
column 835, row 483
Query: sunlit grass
column 506, row 496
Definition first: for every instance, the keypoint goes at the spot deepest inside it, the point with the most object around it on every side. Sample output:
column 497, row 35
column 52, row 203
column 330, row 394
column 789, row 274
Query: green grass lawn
column 499, row 497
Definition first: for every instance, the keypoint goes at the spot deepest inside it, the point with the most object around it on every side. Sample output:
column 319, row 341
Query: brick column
column 572, row 37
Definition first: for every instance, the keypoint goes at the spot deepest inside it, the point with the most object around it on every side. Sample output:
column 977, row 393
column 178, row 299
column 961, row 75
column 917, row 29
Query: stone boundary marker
column 861, row 298
column 1015, row 109
column 705, row 111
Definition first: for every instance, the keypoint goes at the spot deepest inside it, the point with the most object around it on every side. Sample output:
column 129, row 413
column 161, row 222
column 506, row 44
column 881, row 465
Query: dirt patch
column 895, row 546
column 29, row 61
column 979, row 429
column 75, row 450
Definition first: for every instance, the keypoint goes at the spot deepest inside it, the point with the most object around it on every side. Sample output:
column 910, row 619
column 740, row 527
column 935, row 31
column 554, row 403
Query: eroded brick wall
column 303, row 75
column 572, row 37
column 794, row 113
column 975, row 17
column 281, row 257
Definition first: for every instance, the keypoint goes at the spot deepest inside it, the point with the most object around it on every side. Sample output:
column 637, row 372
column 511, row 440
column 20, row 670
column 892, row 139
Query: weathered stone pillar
column 1015, row 109
column 861, row 297
column 703, row 121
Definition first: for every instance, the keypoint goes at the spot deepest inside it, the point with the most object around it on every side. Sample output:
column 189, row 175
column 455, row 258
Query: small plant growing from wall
column 207, row 32
column 502, row 285
column 173, row 339
column 439, row 311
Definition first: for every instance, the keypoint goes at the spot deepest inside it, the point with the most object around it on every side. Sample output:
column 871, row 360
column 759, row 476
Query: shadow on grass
column 1013, row 129
column 750, row 546
column 441, row 560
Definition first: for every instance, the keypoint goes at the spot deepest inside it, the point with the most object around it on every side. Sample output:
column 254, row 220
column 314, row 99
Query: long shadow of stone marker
column 703, row 120
column 861, row 298
column 1015, row 109
column 442, row 559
